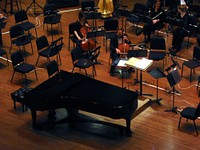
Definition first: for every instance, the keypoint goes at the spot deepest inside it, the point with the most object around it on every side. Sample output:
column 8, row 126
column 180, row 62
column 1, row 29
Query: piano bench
column 18, row 96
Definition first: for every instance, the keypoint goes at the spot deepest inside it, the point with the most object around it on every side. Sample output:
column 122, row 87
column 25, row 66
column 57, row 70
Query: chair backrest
column 20, row 16
column 197, row 112
column 42, row 42
column 87, row 3
column 52, row 68
column 196, row 53
column 16, row 58
column 139, row 8
column 50, row 9
column 157, row 43
column 76, row 53
column 16, row 31
column 72, row 28
column 111, row 24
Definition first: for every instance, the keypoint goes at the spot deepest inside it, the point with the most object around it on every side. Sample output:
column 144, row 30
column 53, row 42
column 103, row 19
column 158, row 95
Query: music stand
column 34, row 3
column 173, row 78
column 157, row 74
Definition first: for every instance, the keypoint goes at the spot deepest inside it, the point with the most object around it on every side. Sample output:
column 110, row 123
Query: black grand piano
column 78, row 92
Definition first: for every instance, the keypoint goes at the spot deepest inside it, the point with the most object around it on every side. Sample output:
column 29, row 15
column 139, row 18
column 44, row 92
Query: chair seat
column 27, row 25
column 45, row 52
column 189, row 113
column 156, row 55
column 133, row 19
column 83, row 63
column 24, row 68
column 191, row 63
column 22, row 40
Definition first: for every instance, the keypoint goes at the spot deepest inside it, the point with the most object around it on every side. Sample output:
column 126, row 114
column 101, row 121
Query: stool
column 157, row 74
column 19, row 96
column 12, row 3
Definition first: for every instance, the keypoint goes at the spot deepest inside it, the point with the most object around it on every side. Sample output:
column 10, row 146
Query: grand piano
column 74, row 91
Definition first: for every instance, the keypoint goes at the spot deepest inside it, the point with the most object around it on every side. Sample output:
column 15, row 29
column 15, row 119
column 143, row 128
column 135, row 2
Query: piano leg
column 34, row 124
column 128, row 127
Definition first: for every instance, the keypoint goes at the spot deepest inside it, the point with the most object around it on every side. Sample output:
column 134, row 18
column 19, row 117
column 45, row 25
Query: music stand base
column 157, row 101
column 174, row 109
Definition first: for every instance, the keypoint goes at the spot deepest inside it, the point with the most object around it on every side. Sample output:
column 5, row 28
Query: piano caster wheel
column 121, row 131
column 128, row 133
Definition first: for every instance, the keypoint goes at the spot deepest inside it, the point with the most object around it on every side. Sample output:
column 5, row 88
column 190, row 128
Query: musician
column 181, row 31
column 81, row 22
column 154, row 22
column 115, row 52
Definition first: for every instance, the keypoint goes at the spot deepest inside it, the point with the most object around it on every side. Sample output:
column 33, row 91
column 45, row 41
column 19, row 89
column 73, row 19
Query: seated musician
column 181, row 31
column 115, row 52
column 81, row 22
column 155, row 22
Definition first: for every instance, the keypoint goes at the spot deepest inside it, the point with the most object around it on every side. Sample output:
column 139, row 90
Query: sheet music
column 122, row 63
column 141, row 64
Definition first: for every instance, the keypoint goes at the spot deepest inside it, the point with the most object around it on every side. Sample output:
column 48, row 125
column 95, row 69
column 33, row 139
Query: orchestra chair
column 71, row 36
column 190, row 113
column 2, row 53
column 19, row 65
column 19, row 38
column 51, row 17
column 110, row 26
column 193, row 63
column 135, row 18
column 21, row 18
column 11, row 4
column 52, row 68
column 79, row 61
column 49, row 50
column 157, row 49
column 193, row 29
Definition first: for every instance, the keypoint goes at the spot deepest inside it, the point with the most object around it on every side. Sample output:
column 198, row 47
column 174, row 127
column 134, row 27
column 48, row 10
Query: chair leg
column 37, row 60
column 190, row 75
column 32, row 48
column 85, row 71
column 36, row 33
column 10, row 47
column 25, row 79
column 7, row 59
column 195, row 127
column 12, row 76
column 73, row 70
column 179, row 122
column 182, row 71
column 36, row 75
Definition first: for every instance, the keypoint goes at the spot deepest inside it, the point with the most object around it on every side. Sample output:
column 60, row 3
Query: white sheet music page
column 141, row 64
column 122, row 63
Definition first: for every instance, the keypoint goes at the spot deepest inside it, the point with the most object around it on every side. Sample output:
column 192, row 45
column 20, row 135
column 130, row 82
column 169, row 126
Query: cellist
column 115, row 52
column 81, row 22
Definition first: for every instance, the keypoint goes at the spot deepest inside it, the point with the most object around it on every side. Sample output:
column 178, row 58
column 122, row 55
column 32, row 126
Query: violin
column 86, row 44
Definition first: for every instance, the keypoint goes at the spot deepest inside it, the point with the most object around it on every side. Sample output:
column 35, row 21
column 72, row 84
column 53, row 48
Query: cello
column 124, row 46
column 88, row 43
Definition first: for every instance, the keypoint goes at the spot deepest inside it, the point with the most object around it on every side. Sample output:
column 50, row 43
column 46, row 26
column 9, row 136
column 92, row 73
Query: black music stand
column 173, row 78
column 93, row 15
column 157, row 74
column 34, row 3
column 2, row 26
